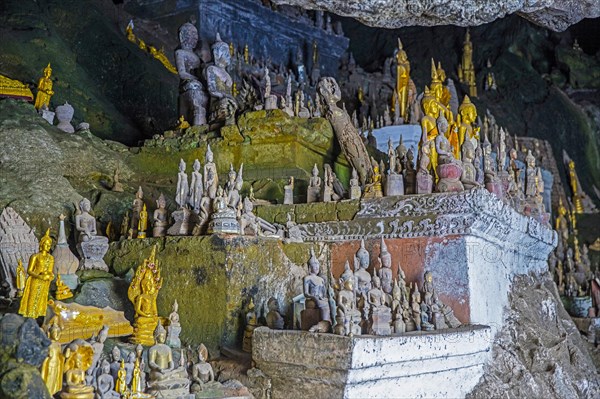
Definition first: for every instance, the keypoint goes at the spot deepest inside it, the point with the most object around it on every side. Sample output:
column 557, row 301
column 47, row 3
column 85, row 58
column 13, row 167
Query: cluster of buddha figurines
column 570, row 262
column 81, row 370
column 360, row 302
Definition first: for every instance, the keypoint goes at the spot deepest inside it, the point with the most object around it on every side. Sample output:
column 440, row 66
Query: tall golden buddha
column 143, row 292
column 402, row 81
column 21, row 277
column 466, row 69
column 446, row 95
column 44, row 93
column 561, row 225
column 52, row 367
column 429, row 126
column 37, row 286
column 437, row 90
column 143, row 223
column 577, row 204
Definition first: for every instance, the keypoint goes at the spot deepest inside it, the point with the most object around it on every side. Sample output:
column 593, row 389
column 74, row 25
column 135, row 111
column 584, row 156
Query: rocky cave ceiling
column 557, row 15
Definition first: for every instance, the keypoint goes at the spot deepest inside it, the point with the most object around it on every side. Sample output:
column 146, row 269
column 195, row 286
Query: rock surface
column 554, row 14
column 538, row 353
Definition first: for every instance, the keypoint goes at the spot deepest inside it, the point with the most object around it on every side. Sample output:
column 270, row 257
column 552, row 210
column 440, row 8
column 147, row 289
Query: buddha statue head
column 401, row 56
column 313, row 263
column 147, row 284
column 248, row 206
column 196, row 165
column 161, row 202
column 54, row 331
column 188, row 36
column 385, row 256
column 139, row 194
column 468, row 151
column 430, row 104
column 467, row 111
column 436, row 85
column 46, row 242
column 349, row 284
column 85, row 205
column 441, row 73
column 315, row 171
column 428, row 277
column 232, row 175
column 220, row 51
column 47, row 71
column 116, row 354
column 160, row 334
column 181, row 165
column 209, row 154
column 376, row 281
column 363, row 256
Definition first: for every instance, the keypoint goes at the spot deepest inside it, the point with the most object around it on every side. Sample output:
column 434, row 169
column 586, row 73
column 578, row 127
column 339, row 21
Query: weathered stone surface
column 23, row 347
column 538, row 351
column 212, row 278
column 553, row 14
column 106, row 292
column 438, row 364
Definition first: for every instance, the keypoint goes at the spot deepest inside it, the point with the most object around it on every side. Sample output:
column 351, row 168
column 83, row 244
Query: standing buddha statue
column 143, row 292
column 52, row 367
column 429, row 127
column 402, row 82
column 468, row 115
column 37, row 286
column 577, row 204
column 44, row 93
column 437, row 90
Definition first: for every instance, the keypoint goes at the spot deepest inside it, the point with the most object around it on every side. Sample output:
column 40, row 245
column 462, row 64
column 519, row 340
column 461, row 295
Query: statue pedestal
column 270, row 102
column 449, row 178
column 224, row 222
column 394, row 185
column 424, row 183
column 92, row 253
column 437, row 364
column 313, row 194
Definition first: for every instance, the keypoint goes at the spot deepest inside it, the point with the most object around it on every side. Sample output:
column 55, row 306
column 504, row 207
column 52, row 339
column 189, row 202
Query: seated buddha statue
column 165, row 379
column 76, row 387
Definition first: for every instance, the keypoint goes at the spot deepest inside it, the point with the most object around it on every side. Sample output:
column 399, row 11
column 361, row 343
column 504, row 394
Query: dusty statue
column 91, row 246
column 165, row 380
column 222, row 103
column 352, row 145
column 315, row 289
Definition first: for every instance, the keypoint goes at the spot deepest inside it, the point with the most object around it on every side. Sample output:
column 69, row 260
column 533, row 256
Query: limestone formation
column 554, row 14
column 17, row 241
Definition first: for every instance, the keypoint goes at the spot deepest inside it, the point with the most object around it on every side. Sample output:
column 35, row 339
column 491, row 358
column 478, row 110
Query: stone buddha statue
column 196, row 188
column 211, row 178
column 192, row 96
column 363, row 278
column 91, row 246
column 313, row 193
column 165, row 379
column 381, row 315
column 355, row 190
column 183, row 188
column 347, row 310
column 315, row 288
column 174, row 328
column 105, row 383
column 469, row 174
column 35, row 295
column 202, row 372
column 161, row 217
column 385, row 273
column 222, row 103
column 530, row 175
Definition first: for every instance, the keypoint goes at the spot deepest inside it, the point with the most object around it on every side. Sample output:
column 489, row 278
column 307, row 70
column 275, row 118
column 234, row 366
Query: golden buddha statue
column 246, row 55
column 577, row 204
column 62, row 290
column 52, row 367
column 129, row 32
column 373, row 189
column 234, row 90
column 231, row 50
column 44, row 87
column 437, row 90
column 14, row 89
column 143, row 292
column 466, row 69
column 20, row 278
column 561, row 225
column 429, row 127
column 446, row 95
column 251, row 324
column 37, row 286
column 78, row 362
column 402, row 81
column 361, row 95
column 143, row 222
column 468, row 115
column 121, row 382
column 183, row 124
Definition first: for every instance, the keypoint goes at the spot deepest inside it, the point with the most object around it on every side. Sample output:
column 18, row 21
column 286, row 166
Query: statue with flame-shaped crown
column 143, row 292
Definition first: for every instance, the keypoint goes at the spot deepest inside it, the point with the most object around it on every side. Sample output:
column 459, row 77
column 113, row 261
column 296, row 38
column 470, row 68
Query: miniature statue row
column 359, row 302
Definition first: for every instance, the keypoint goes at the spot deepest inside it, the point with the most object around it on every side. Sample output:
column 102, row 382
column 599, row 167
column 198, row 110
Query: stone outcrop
column 554, row 14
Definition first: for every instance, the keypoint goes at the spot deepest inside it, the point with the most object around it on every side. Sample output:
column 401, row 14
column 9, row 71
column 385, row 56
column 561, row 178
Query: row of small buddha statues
column 375, row 303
